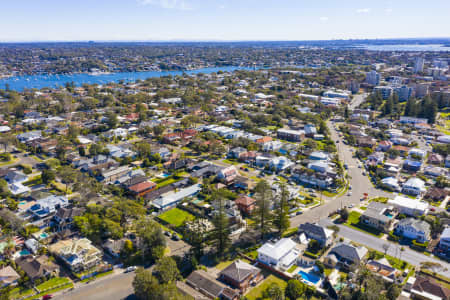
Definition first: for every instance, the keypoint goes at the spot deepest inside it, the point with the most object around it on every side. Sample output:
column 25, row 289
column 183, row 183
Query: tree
column 47, row 176
column 147, row 287
column 281, row 218
column 263, row 214
column 221, row 231
column 167, row 271
column 294, row 289
column 158, row 130
column 153, row 241
column 344, row 214
column 393, row 292
column 274, row 292
column 111, row 119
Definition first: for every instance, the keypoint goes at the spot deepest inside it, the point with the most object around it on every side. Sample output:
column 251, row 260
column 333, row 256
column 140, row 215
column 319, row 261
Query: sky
column 221, row 20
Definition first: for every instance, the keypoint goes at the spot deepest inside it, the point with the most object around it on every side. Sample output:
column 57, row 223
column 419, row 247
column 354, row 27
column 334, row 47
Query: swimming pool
column 24, row 252
column 309, row 277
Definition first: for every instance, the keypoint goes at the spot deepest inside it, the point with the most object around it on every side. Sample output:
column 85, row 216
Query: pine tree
column 263, row 215
column 220, row 234
column 281, row 218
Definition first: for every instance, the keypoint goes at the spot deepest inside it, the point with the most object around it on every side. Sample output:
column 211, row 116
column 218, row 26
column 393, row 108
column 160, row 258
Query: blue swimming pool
column 24, row 252
column 309, row 277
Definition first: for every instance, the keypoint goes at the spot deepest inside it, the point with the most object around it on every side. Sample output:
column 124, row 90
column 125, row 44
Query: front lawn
column 53, row 283
column 176, row 217
column 19, row 292
column 257, row 291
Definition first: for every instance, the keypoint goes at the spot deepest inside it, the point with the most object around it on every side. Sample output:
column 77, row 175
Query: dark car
column 47, row 297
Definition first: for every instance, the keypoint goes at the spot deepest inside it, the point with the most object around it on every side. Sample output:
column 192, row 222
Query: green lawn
column 51, row 283
column 292, row 268
column 176, row 217
column 353, row 222
column 379, row 199
column 231, row 162
column 20, row 292
column 222, row 265
column 257, row 292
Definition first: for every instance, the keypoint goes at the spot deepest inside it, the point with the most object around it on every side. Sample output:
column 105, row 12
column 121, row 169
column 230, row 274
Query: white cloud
column 388, row 10
column 363, row 10
column 324, row 19
column 168, row 4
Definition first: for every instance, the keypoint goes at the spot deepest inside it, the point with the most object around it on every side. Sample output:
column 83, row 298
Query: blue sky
column 35, row 20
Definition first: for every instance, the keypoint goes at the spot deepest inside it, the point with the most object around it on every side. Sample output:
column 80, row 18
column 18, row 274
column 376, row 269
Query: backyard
column 176, row 217
column 257, row 291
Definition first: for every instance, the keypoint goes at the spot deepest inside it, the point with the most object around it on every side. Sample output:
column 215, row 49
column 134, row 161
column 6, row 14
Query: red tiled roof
column 245, row 200
column 143, row 186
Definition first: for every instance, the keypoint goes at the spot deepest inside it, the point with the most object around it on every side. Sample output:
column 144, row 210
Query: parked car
column 130, row 269
column 175, row 237
column 168, row 233
column 47, row 297
column 349, row 193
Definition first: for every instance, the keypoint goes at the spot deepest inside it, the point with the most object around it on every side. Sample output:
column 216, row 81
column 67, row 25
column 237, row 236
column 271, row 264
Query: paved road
column 360, row 185
column 408, row 255
column 113, row 287
column 357, row 100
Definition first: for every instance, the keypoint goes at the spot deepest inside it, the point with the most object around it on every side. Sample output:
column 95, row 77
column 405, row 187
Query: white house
column 410, row 207
column 413, row 229
column 282, row 254
column 414, row 186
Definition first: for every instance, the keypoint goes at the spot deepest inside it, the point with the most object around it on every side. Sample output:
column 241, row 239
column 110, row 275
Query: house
column 433, row 171
column 428, row 288
column 142, row 188
column 241, row 275
column 383, row 268
column 172, row 198
column 391, row 183
column 48, row 205
column 32, row 245
column 436, row 194
column 111, row 175
column 412, row 165
column 208, row 286
column 236, row 152
column 409, row 207
column 245, row 204
column 345, row 255
column 39, row 267
column 378, row 216
column 319, row 155
column 114, row 247
column 414, row 186
column 228, row 174
column 29, row 136
column 245, row 183
column 282, row 254
column 64, row 217
column 8, row 277
column 15, row 177
column 444, row 243
column 384, row 146
column 77, row 254
column 413, row 229
column 435, row 159
column 290, row 135
column 316, row 232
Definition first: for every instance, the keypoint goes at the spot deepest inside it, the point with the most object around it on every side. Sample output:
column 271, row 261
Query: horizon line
column 213, row 40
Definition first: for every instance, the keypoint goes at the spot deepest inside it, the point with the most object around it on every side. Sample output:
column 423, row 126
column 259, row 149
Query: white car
column 130, row 269
column 349, row 194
